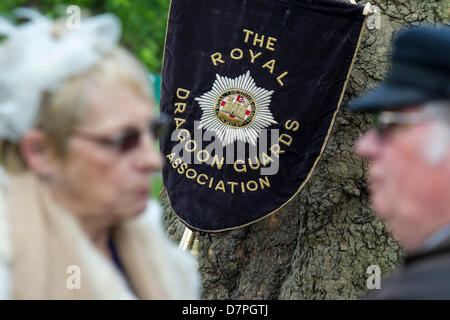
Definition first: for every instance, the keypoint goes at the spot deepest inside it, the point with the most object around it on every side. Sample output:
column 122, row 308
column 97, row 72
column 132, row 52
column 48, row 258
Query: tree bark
column 320, row 245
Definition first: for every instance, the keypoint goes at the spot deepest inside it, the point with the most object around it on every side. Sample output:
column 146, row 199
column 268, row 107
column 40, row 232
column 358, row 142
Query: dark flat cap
column 420, row 71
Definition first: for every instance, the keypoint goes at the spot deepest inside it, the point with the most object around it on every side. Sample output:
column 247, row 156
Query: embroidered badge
column 236, row 109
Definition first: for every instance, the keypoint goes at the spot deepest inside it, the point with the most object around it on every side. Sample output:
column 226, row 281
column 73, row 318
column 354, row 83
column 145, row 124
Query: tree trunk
column 320, row 245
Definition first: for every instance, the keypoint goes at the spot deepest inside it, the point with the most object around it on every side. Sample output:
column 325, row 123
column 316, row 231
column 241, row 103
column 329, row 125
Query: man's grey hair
column 437, row 144
column 441, row 108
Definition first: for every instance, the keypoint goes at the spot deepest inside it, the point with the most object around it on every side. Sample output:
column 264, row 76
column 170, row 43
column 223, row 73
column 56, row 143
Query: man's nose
column 368, row 145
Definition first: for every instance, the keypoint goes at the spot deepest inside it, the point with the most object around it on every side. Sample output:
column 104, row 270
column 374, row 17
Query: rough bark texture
column 320, row 245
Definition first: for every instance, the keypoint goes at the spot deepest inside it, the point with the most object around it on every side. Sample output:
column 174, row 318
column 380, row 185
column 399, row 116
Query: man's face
column 407, row 191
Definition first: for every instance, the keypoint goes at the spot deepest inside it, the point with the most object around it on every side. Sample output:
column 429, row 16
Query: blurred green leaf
column 143, row 22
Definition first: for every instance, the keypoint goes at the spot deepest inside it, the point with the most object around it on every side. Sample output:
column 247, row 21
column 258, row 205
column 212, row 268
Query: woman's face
column 99, row 180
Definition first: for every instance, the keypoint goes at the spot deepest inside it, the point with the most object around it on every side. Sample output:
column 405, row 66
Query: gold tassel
column 186, row 240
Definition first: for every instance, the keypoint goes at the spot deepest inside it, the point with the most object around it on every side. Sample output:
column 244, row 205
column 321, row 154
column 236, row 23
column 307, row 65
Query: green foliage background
column 143, row 21
column 143, row 31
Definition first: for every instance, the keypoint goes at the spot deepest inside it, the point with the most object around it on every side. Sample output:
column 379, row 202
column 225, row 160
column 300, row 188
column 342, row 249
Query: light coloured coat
column 38, row 246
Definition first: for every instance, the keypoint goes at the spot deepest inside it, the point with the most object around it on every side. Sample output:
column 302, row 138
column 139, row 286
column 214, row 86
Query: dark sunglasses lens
column 159, row 128
column 129, row 141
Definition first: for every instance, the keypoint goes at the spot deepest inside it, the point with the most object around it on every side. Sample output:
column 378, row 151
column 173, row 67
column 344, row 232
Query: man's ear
column 37, row 152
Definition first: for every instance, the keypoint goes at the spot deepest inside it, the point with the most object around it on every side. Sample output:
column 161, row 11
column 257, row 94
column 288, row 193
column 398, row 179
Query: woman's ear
column 38, row 153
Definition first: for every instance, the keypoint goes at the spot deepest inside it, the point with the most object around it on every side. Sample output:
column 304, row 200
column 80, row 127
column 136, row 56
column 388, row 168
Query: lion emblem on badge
column 236, row 109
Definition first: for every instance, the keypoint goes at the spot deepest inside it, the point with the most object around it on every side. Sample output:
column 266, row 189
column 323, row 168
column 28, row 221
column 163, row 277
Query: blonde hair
column 62, row 111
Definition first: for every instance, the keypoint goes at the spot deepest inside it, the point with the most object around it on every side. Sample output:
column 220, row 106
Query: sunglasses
column 130, row 138
column 386, row 120
column 436, row 110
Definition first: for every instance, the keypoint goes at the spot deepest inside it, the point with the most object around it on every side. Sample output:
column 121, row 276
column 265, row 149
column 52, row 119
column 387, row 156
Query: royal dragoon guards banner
column 252, row 88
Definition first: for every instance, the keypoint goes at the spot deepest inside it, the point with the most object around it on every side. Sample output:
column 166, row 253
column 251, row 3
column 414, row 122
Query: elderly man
column 409, row 161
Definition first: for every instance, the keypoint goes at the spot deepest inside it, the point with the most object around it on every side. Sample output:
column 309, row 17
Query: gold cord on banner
column 187, row 240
